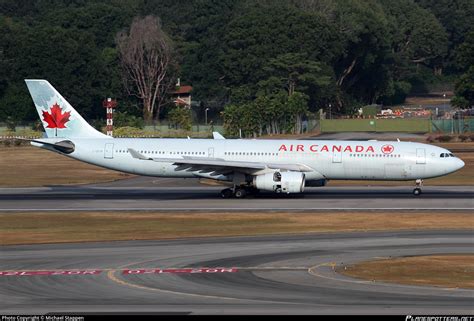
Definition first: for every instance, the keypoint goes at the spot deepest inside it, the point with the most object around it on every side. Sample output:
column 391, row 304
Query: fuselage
column 333, row 160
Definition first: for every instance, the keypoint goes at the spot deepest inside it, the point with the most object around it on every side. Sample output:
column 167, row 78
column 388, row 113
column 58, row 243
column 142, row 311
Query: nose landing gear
column 418, row 186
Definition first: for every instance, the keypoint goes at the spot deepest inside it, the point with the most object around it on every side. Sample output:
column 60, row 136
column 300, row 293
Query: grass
column 450, row 271
column 31, row 166
column 31, row 228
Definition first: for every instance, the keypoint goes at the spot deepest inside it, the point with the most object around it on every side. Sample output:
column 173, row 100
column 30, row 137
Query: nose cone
column 459, row 164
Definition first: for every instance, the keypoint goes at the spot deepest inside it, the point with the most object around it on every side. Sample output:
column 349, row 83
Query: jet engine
column 281, row 182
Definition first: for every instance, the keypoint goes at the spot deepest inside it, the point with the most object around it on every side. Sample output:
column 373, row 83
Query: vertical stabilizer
column 59, row 118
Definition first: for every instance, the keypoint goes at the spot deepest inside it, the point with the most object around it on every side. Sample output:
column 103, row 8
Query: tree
column 456, row 16
column 464, row 87
column 294, row 71
column 180, row 117
column 146, row 56
column 417, row 36
column 298, row 108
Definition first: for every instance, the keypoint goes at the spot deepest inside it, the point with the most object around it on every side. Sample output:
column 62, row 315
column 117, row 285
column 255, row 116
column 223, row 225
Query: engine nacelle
column 281, row 182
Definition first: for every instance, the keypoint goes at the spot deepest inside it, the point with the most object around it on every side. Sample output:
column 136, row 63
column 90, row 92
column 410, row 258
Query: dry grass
column 28, row 228
column 31, row 166
column 451, row 271
column 414, row 100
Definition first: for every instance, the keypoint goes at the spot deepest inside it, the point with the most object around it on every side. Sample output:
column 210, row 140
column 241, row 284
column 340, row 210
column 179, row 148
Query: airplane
column 250, row 165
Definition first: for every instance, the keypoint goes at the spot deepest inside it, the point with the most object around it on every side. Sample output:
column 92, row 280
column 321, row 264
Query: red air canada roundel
column 387, row 149
column 56, row 119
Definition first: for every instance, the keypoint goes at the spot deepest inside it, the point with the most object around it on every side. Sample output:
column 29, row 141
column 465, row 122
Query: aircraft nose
column 459, row 164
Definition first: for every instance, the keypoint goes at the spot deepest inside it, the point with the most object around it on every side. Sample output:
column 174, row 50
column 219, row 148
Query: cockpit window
column 446, row 155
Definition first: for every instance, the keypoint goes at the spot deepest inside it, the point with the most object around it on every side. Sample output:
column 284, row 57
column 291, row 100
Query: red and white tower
column 110, row 104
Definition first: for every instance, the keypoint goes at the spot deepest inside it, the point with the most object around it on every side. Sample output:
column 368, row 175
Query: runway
column 291, row 274
column 117, row 197
column 272, row 275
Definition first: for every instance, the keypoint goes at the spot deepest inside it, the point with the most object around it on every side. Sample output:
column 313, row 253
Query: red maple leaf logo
column 56, row 119
column 387, row 149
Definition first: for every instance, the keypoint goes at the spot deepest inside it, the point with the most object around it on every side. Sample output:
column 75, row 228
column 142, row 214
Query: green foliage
column 267, row 114
column 369, row 110
column 346, row 53
column 464, row 87
column 396, row 92
column 456, row 17
column 128, row 131
column 180, row 117
column 125, row 119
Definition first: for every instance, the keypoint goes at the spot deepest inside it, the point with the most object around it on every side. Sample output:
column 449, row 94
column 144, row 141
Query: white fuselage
column 352, row 160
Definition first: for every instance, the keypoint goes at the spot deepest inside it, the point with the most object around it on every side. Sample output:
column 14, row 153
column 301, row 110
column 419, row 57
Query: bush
column 124, row 119
column 127, row 131
column 463, row 138
column 430, row 139
column 180, row 117
column 444, row 138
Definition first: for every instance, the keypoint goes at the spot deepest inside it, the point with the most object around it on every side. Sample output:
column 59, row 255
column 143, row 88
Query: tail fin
column 59, row 118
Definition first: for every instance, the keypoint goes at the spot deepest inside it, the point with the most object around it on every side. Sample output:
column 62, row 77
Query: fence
column 162, row 130
column 454, row 126
column 447, row 126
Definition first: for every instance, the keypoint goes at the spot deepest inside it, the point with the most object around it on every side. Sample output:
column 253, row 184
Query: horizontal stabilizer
column 216, row 135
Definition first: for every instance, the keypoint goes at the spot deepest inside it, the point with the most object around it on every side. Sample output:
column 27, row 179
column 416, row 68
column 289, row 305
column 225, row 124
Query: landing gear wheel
column 417, row 191
column 226, row 193
column 240, row 193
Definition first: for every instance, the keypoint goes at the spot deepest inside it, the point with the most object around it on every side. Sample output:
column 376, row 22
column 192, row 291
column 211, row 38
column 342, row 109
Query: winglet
column 137, row 155
column 216, row 135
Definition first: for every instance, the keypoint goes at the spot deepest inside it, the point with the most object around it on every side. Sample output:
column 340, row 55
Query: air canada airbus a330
column 280, row 166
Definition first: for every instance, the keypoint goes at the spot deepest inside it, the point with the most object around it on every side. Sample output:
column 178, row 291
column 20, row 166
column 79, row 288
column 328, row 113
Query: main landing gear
column 239, row 191
column 419, row 185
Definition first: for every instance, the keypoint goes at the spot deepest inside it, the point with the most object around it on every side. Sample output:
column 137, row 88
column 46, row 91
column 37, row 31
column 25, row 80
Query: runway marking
column 236, row 209
column 52, row 272
column 136, row 271
column 124, row 271
column 179, row 271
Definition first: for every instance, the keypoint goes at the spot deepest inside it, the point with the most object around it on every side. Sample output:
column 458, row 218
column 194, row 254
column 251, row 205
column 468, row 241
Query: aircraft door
column 109, row 151
column 210, row 152
column 420, row 156
column 336, row 157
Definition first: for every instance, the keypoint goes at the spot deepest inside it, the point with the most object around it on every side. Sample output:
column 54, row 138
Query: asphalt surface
column 188, row 195
column 274, row 275
column 260, row 275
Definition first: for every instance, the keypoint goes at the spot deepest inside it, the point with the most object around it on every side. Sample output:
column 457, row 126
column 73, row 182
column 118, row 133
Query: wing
column 219, row 166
